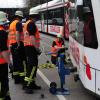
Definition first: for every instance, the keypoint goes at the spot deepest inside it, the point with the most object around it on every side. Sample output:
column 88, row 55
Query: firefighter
column 57, row 48
column 4, row 59
column 17, row 47
column 32, row 44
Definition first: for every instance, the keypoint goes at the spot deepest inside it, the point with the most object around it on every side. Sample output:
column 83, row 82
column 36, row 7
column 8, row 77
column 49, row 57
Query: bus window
column 56, row 16
column 90, row 38
column 73, row 24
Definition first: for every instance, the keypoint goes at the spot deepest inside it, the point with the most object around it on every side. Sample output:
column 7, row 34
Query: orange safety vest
column 12, row 33
column 2, row 60
column 54, row 50
column 27, row 40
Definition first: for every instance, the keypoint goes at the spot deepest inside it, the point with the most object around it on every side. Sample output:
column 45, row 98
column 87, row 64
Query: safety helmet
column 86, row 9
column 33, row 12
column 19, row 13
column 59, row 35
column 3, row 18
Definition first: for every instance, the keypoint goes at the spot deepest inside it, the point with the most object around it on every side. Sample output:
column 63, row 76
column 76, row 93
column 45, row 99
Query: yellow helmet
column 3, row 18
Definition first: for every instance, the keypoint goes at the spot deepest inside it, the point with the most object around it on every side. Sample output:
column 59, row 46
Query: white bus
column 54, row 17
column 84, row 45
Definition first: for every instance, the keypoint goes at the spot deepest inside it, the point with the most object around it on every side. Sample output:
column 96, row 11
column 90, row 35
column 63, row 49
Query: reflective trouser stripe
column 15, row 73
column 1, row 98
column 22, row 74
column 24, row 67
column 29, row 80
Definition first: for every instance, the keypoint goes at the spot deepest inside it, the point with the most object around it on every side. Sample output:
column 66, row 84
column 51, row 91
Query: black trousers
column 4, row 83
column 18, row 56
column 32, row 62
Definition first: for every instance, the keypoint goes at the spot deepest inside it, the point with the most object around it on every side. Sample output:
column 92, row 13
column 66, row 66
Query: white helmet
column 19, row 13
column 3, row 18
column 59, row 35
column 33, row 12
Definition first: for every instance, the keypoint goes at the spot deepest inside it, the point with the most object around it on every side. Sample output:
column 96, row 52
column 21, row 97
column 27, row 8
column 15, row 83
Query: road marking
column 45, row 79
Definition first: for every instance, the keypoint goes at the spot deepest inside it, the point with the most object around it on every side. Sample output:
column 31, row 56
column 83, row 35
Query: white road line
column 45, row 79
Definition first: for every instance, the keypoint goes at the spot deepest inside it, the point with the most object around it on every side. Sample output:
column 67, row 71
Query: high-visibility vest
column 2, row 60
column 12, row 33
column 27, row 40
column 54, row 50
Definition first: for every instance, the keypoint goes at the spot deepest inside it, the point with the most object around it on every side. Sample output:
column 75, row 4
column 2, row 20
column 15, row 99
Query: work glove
column 11, row 67
column 38, row 51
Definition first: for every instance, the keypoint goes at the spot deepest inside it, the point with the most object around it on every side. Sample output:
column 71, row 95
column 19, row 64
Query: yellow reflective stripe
column 1, row 98
column 22, row 74
column 15, row 73
column 28, row 79
column 34, row 68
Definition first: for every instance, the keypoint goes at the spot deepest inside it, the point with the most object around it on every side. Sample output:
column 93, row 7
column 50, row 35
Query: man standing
column 4, row 59
column 31, row 43
column 17, row 46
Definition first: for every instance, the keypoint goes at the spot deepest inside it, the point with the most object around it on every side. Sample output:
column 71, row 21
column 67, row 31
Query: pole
column 47, row 16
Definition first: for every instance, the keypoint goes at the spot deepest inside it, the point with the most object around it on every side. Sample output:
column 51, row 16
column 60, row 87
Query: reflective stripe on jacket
column 27, row 40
